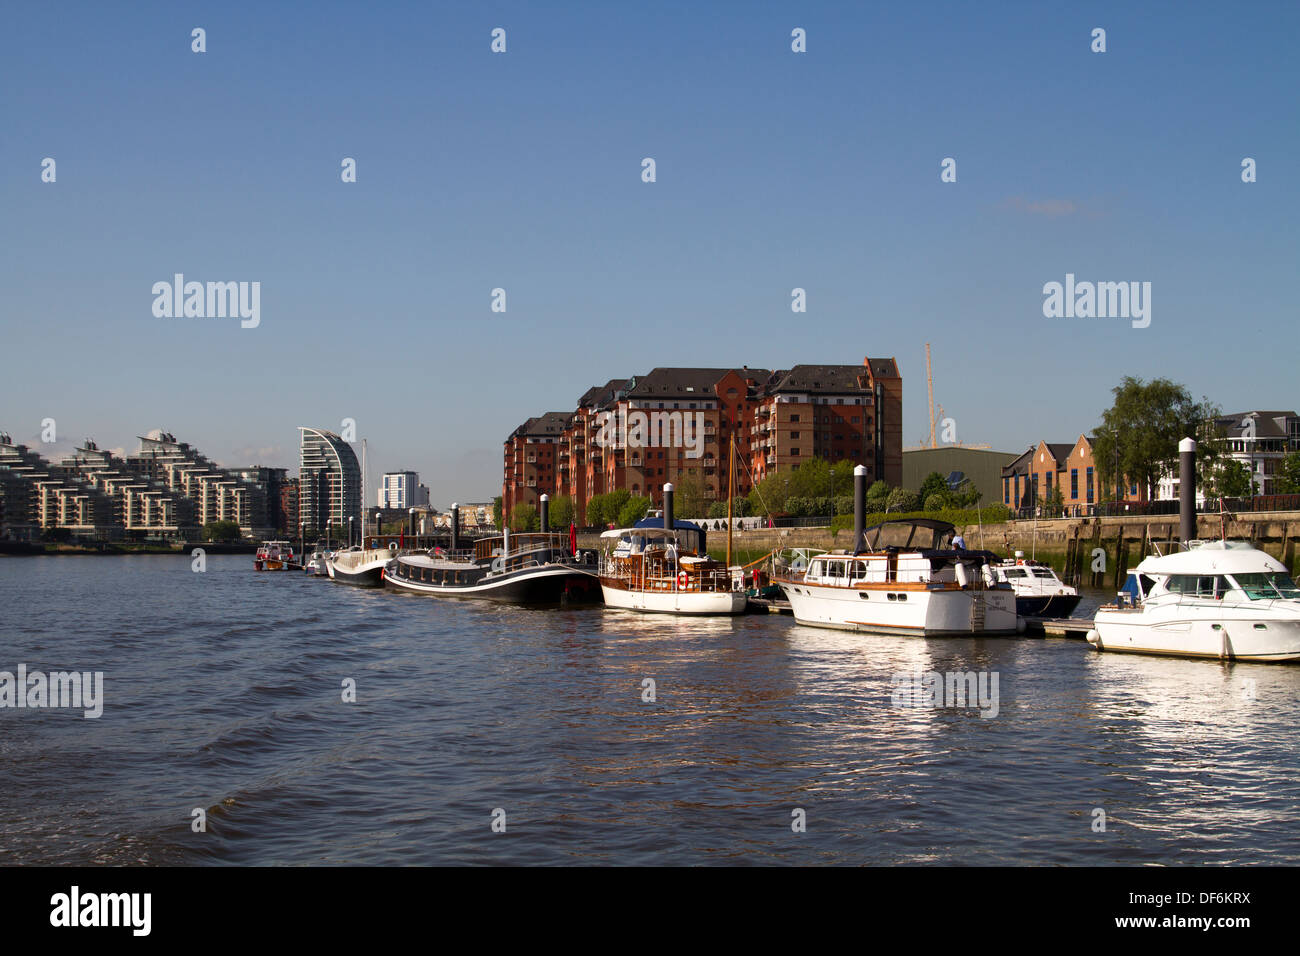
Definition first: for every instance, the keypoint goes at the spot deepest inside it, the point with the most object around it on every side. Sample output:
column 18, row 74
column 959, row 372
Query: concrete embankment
column 1099, row 550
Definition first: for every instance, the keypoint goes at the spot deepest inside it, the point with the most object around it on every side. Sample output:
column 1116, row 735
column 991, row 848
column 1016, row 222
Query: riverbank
column 51, row 548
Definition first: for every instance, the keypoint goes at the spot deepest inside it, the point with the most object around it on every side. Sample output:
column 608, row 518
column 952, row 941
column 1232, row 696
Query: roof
column 543, row 426
column 820, row 379
column 1267, row 424
column 1018, row 465
column 882, row 367
column 682, row 382
column 599, row 395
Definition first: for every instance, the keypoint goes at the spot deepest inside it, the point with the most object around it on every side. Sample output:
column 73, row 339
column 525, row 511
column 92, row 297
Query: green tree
column 934, row 484
column 633, row 510
column 496, row 511
column 1230, row 479
column 879, row 492
column 1141, row 430
column 690, row 496
column 525, row 518
column 560, row 512
column 936, row 502
column 1287, row 480
column 603, row 509
column 901, row 500
column 221, row 531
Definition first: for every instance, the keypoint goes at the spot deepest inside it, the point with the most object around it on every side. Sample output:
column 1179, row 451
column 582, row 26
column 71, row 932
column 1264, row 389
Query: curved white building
column 329, row 489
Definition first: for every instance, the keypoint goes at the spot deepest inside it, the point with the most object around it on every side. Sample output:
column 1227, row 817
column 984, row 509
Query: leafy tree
column 879, row 491
column 936, row 502
column 844, row 505
column 690, row 496
column 221, row 531
column 934, row 484
column 633, row 510
column 496, row 511
column 1287, row 480
column 603, row 509
column 559, row 511
column 525, row 518
column 719, row 508
column 902, row 500
column 1230, row 479
column 1142, row 429
column 1053, row 503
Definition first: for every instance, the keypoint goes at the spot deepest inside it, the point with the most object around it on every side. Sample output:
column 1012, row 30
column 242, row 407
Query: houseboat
column 650, row 567
column 1224, row 600
column 1039, row 591
column 360, row 567
column 905, row 578
column 525, row 568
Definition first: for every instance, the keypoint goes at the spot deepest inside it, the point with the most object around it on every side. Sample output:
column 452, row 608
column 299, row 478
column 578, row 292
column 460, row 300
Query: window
column 1267, row 585
column 794, row 418
column 1074, row 483
column 1090, row 494
column 794, row 436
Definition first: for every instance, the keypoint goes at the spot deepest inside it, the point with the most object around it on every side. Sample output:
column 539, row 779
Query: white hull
column 1217, row 632
column 915, row 612
column 675, row 602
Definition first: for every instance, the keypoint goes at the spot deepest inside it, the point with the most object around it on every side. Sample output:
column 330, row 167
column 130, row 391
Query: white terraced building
column 1258, row 439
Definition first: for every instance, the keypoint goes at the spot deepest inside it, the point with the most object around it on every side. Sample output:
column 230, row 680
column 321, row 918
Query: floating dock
column 757, row 605
column 1076, row 627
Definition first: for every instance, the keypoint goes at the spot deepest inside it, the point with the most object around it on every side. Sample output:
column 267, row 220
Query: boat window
column 815, row 569
column 1267, row 585
column 1043, row 573
column 1203, row 585
column 1015, row 572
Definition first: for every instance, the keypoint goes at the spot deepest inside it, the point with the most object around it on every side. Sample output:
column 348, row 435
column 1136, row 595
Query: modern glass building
column 329, row 489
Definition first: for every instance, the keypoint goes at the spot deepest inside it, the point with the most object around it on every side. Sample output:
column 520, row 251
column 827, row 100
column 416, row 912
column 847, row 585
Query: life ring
column 683, row 579
column 392, row 547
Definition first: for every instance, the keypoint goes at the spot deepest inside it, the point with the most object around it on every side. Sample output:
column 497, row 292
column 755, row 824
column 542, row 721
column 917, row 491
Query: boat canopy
column 922, row 534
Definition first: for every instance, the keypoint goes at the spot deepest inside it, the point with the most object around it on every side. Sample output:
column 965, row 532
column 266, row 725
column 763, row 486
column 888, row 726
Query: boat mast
column 731, row 490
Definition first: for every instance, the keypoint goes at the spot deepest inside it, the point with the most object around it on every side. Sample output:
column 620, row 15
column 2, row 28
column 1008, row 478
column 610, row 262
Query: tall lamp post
column 412, row 514
column 349, row 531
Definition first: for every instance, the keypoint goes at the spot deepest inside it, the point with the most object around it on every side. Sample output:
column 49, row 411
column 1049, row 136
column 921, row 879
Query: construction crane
column 929, row 385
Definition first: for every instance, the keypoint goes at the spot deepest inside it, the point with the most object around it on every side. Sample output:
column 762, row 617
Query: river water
column 766, row 742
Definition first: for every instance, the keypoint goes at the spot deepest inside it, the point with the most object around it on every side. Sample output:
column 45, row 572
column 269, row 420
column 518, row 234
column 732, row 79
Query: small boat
column 1224, row 600
column 906, row 579
column 1039, row 591
column 273, row 556
column 649, row 567
column 525, row 568
column 360, row 567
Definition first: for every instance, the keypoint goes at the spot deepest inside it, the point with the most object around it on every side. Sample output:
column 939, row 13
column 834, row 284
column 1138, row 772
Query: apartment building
column 1033, row 476
column 673, row 423
column 1259, row 440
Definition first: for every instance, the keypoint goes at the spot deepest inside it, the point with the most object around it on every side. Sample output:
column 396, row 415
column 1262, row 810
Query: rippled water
column 223, row 692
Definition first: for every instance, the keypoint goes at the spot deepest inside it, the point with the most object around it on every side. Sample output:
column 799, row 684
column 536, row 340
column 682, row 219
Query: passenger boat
column 360, row 567
column 273, row 556
column 535, row 568
column 1225, row 600
column 649, row 567
column 1039, row 591
column 907, row 579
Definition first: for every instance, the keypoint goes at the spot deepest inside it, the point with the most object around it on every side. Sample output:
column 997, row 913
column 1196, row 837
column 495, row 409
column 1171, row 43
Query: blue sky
column 522, row 171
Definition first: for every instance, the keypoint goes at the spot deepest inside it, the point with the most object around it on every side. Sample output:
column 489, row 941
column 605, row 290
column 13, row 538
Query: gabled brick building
column 642, row 432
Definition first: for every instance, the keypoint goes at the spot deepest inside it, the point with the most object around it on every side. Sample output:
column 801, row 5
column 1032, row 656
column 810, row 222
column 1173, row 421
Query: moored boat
column 273, row 556
column 533, row 568
column 653, row 568
column 1039, row 591
column 1224, row 600
column 361, row 567
column 905, row 579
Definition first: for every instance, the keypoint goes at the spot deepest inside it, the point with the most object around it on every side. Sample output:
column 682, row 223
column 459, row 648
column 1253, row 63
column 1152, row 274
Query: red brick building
column 642, row 432
column 1037, row 472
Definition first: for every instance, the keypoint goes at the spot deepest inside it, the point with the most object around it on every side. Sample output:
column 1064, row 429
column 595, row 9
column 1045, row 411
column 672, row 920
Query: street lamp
column 349, row 531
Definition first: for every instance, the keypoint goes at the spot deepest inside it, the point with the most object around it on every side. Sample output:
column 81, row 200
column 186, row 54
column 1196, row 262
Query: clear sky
column 522, row 170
